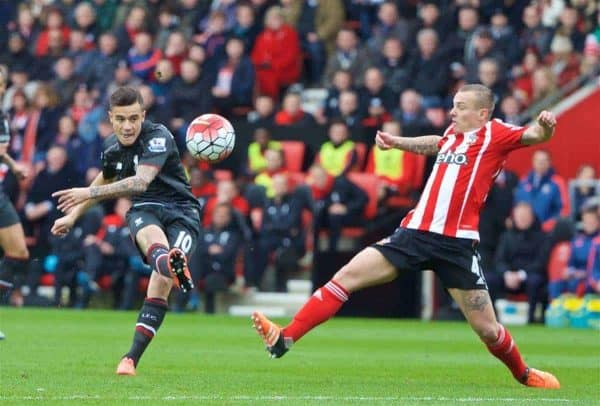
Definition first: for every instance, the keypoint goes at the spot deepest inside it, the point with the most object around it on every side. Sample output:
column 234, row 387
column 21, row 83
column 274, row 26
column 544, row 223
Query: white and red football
column 210, row 137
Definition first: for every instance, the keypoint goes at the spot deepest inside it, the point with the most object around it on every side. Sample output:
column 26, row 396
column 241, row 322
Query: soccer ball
column 210, row 138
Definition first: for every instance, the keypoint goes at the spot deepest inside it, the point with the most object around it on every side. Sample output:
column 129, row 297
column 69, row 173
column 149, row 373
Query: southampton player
column 141, row 160
column 440, row 233
column 12, row 237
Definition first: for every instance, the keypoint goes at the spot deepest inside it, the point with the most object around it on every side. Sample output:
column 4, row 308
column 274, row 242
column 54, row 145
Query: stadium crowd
column 381, row 64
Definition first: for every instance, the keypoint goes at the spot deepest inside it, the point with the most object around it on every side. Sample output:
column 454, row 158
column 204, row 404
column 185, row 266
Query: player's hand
column 69, row 198
column 62, row 226
column 3, row 148
column 21, row 171
column 547, row 120
column 385, row 140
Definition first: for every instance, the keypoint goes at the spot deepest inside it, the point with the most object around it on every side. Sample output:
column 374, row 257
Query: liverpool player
column 440, row 233
column 141, row 160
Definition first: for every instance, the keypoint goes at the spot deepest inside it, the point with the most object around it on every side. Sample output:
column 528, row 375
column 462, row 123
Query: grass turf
column 70, row 356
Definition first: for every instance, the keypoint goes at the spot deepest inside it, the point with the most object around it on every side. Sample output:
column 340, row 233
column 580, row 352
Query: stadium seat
column 293, row 153
column 296, row 179
column 361, row 156
column 558, row 260
column 369, row 183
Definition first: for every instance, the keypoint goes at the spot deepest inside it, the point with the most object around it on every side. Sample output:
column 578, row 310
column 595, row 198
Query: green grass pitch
column 64, row 356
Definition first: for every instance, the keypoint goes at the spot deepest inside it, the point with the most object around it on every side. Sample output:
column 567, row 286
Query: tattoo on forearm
column 426, row 145
column 475, row 300
column 129, row 186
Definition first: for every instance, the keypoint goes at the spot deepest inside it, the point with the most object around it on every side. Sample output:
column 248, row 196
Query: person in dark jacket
column 520, row 259
column 234, row 81
column 280, row 234
column 218, row 250
column 337, row 203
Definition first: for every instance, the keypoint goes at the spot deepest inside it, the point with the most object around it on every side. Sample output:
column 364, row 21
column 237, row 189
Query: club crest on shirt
column 157, row 145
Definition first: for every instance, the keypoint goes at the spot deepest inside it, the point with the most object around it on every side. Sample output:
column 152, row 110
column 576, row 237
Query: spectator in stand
column 68, row 138
column 510, row 107
column 82, row 103
column 534, row 34
column 263, row 114
column 494, row 216
column 168, row 23
column 544, row 84
column 51, row 20
column 337, row 203
column 225, row 7
column 317, row 24
column 430, row 16
column 19, row 78
column 26, row 26
column 395, row 66
column 484, row 47
column 291, row 113
column 191, row 95
column 227, row 193
column 105, row 11
column 101, row 64
column 234, row 82
column 575, row 275
column 56, row 49
column 338, row 155
column 245, row 26
column 212, row 38
column 19, row 114
column 143, row 57
column 544, row 190
column 394, row 167
column 349, row 111
column 263, row 182
column 85, row 20
column 276, row 55
column 411, row 114
column 66, row 82
column 191, row 11
column 522, row 76
column 256, row 161
column 17, row 57
column 280, row 233
column 217, row 251
column 162, row 87
column 154, row 112
column 122, row 76
column 68, row 252
column 376, row 99
column 348, row 56
column 505, row 37
column 587, row 187
column 40, row 208
column 176, row 50
column 41, row 127
column 570, row 27
column 134, row 24
column 390, row 25
column 520, row 260
column 562, row 60
column 342, row 81
column 490, row 74
column 459, row 43
column 203, row 185
column 430, row 68
column 77, row 52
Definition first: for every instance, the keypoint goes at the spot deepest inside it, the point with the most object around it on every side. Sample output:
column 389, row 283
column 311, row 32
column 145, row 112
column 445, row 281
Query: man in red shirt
column 441, row 233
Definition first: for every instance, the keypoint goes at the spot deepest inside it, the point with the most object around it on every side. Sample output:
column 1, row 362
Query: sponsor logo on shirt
column 451, row 158
column 157, row 145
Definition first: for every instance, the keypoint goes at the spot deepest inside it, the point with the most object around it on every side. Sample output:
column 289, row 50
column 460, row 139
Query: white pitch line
column 291, row 398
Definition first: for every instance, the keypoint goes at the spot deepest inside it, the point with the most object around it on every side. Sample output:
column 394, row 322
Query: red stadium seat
column 369, row 183
column 47, row 279
column 293, row 155
column 295, row 179
column 361, row 156
column 557, row 263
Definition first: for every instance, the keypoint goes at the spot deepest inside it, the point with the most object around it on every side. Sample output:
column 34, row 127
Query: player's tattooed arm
column 425, row 145
column 541, row 131
column 132, row 185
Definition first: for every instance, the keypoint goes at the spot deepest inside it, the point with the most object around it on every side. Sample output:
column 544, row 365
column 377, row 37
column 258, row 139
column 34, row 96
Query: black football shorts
column 455, row 260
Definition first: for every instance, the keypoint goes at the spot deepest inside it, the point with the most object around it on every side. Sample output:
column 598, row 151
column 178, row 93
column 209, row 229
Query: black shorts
column 180, row 223
column 455, row 260
column 8, row 214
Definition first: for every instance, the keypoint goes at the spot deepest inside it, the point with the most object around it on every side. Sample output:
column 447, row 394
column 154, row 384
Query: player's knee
column 487, row 331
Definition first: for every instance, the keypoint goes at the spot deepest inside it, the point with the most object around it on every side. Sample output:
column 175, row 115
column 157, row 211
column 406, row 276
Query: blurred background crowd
column 306, row 84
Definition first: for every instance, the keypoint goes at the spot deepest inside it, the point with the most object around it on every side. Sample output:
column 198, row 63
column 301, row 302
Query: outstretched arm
column 541, row 131
column 132, row 185
column 425, row 145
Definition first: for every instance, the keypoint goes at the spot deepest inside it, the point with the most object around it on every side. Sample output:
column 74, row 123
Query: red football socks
column 321, row 306
column 505, row 349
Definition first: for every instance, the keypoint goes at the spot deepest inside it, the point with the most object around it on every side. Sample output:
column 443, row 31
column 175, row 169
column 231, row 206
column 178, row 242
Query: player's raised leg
column 368, row 268
column 16, row 255
column 477, row 308
column 152, row 240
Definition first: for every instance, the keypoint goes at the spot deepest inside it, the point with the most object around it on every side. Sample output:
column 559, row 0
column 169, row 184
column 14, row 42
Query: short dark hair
column 125, row 96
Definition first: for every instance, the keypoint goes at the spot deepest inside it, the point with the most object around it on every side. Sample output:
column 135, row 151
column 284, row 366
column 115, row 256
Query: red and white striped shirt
column 462, row 176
